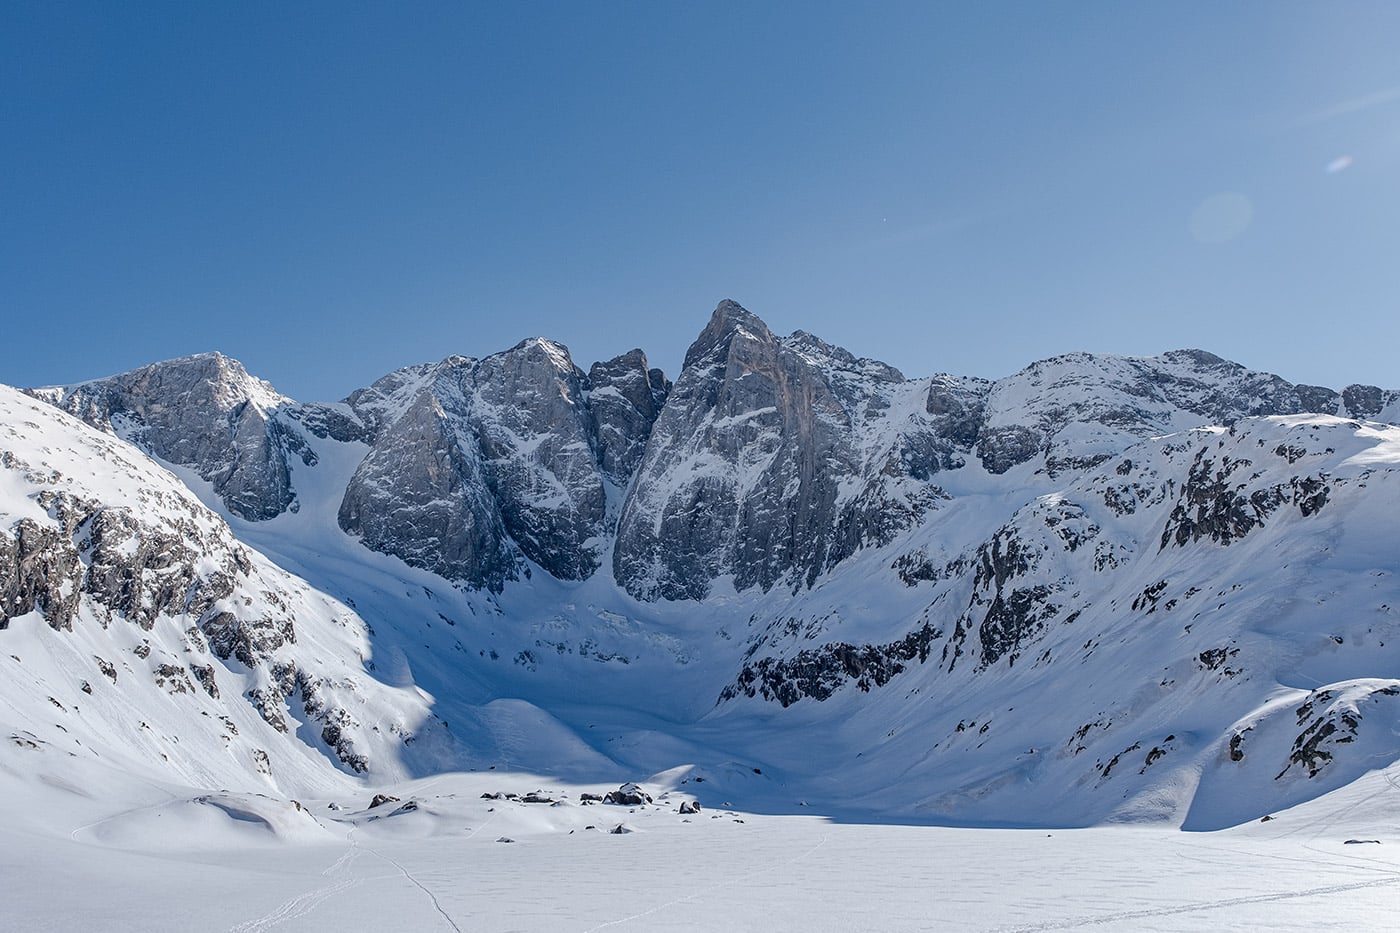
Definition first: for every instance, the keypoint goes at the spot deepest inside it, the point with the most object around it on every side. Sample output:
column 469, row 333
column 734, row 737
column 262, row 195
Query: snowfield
column 249, row 864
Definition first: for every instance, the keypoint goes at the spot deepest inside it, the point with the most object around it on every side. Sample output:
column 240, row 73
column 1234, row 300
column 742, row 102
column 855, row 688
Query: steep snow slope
column 1206, row 624
column 138, row 631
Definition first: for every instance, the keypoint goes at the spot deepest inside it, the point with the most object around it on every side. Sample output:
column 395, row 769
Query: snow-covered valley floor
column 249, row 864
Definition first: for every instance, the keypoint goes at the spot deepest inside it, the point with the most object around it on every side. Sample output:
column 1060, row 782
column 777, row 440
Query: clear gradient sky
column 330, row 191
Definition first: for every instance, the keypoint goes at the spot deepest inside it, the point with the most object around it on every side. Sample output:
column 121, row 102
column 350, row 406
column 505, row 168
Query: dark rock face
column 745, row 469
column 1213, row 504
column 1319, row 399
column 1368, row 402
column 1328, row 720
column 820, row 672
column 138, row 570
column 1003, row 448
column 624, row 399
column 204, row 412
column 957, row 406
column 538, row 457
column 39, row 569
column 249, row 641
column 421, row 494
column 476, row 463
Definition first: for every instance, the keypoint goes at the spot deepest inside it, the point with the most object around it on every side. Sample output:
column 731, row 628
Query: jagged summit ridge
column 976, row 596
column 771, row 460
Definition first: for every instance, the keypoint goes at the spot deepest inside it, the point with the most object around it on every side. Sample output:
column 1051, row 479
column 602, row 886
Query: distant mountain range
column 1105, row 587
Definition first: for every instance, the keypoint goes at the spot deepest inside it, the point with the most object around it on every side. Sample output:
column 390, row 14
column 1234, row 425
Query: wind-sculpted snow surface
column 1101, row 588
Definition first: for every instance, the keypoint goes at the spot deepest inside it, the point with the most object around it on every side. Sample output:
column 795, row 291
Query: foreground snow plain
column 249, row 863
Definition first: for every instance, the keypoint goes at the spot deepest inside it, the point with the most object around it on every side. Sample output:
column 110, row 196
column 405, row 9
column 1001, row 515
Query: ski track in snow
column 714, row 887
column 305, row 903
column 409, row 875
column 1200, row 907
column 301, row 905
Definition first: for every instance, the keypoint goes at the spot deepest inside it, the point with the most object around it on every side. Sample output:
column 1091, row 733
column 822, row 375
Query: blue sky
column 330, row 191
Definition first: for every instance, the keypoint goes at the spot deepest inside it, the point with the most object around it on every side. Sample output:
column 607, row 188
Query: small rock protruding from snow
column 628, row 795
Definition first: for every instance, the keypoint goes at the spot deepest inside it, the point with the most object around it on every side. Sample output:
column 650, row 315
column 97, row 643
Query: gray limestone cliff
column 203, row 412
column 420, row 493
column 769, row 462
column 476, row 464
column 760, row 466
column 624, row 399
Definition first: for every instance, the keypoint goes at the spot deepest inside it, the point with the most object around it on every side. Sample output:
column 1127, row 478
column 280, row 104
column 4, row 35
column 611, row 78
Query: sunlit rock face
column 483, row 463
column 204, row 412
column 421, row 494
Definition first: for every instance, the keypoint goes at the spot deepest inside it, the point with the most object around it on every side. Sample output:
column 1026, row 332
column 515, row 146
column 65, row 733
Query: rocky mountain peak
column 204, row 412
column 761, row 466
column 541, row 350
column 625, row 397
column 1078, row 409
column 829, row 356
column 729, row 320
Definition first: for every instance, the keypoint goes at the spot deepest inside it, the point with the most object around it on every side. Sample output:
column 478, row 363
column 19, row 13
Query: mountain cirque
column 1102, row 588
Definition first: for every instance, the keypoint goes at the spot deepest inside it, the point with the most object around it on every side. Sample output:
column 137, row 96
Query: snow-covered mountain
column 138, row 628
column 1101, row 588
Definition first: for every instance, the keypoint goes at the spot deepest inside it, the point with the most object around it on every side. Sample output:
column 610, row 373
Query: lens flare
column 1221, row 217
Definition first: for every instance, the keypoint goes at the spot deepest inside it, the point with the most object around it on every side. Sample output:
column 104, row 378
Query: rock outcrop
column 203, row 412
column 113, row 552
column 624, row 399
column 770, row 462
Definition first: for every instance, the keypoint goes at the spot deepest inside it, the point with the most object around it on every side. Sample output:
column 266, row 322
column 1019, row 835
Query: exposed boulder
column 628, row 795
